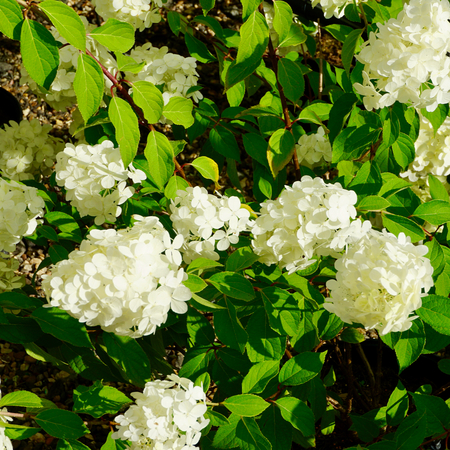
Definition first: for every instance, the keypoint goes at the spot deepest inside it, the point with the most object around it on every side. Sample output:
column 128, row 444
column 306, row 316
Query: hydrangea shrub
column 238, row 317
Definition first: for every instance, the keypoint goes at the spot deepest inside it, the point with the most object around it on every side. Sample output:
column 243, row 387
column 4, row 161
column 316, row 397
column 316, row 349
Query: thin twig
column 367, row 364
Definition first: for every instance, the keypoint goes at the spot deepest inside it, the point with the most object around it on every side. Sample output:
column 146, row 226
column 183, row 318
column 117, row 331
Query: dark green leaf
column 11, row 19
column 298, row 414
column 61, row 424
column 301, row 368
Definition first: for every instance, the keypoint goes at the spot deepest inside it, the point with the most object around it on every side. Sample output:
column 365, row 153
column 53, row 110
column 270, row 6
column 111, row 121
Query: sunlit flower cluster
column 27, row 150
column 169, row 414
column 139, row 13
column 176, row 73
column 8, row 278
column 61, row 93
column 207, row 222
column 20, row 206
column 125, row 280
column 432, row 151
column 314, row 149
column 334, row 8
column 5, row 441
column 380, row 281
column 95, row 179
column 274, row 36
column 310, row 218
column 405, row 55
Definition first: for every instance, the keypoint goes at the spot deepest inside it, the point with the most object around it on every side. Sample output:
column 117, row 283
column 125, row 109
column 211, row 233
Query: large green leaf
column 89, row 85
column 159, row 154
column 410, row 345
column 233, row 285
column 246, row 405
column 282, row 19
column 399, row 224
column 117, row 36
column 280, row 150
column 149, row 98
column 224, row 142
column 10, row 18
column 179, row 111
column 259, row 376
column 349, row 47
column 301, row 368
column 22, row 398
column 40, row 54
column 398, row 405
column 298, row 414
column 435, row 311
column 61, row 423
column 249, row 435
column 435, row 212
column 66, row 21
column 291, row 78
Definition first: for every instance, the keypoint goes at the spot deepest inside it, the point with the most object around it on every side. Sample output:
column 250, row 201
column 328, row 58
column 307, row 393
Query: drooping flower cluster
column 314, row 149
column 169, row 414
column 27, row 150
column 380, row 281
column 432, row 151
column 207, row 222
column 126, row 281
column 61, row 93
column 95, row 179
column 176, row 73
column 5, row 441
column 8, row 278
column 334, row 8
column 139, row 13
column 310, row 218
column 20, row 206
column 405, row 55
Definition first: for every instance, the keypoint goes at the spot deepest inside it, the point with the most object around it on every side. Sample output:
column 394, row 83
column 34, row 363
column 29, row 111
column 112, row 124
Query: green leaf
column 411, row 432
column 282, row 19
column 280, row 150
column 66, row 21
column 199, row 329
column 435, row 212
column 174, row 185
column 399, row 224
column 60, row 324
column 234, row 285
column 197, row 365
column 276, row 429
column 291, row 78
column 437, row 116
column 21, row 398
column 298, row 414
column 204, row 305
column 226, row 435
column 11, row 19
column 352, row 335
column 159, row 154
column 255, row 146
column 404, row 151
column 249, row 435
column 228, row 327
column 127, row 128
column 296, row 36
column 248, row 7
column 437, row 189
column 410, row 345
column 149, row 99
column 246, row 405
column 338, row 31
column 201, row 264
column 195, row 283
column 40, row 53
column 19, row 330
column 301, row 368
column 316, row 113
column 16, row 300
column 208, row 168
column 241, row 259
column 259, row 376
column 179, row 111
column 373, row 203
column 349, row 47
column 339, row 113
column 98, row 400
column 130, row 357
column 435, row 311
column 117, row 36
column 128, row 64
column 58, row 253
column 436, row 411
column 114, row 444
column 198, row 49
column 224, row 142
column 70, row 444
column 398, row 405
column 207, row 5
column 61, row 424
column 88, row 84
column 18, row 432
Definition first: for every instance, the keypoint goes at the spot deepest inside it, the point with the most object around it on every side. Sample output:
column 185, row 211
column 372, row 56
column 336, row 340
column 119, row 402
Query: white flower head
column 95, row 179
column 20, row 206
column 27, row 150
column 310, row 218
column 121, row 280
column 407, row 58
column 380, row 282
column 167, row 415
column 206, row 221
column 9, row 280
column 314, row 149
column 334, row 8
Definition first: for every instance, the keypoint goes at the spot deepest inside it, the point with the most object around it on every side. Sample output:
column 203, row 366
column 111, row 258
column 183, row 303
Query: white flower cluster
column 206, row 221
column 176, row 73
column 95, row 179
column 405, row 55
column 334, row 7
column 168, row 415
column 314, row 149
column 139, row 13
column 432, row 151
column 126, row 281
column 20, row 206
column 8, row 278
column 310, row 218
column 5, row 441
column 269, row 13
column 61, row 93
column 380, row 281
column 27, row 150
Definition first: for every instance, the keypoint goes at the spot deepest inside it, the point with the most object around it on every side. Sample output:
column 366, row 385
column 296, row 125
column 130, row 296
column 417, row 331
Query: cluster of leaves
column 271, row 359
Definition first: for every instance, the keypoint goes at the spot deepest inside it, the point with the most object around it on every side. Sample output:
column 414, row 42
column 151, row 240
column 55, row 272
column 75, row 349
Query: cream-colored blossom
column 314, row 149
